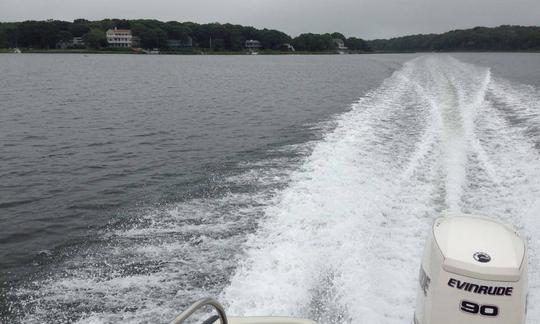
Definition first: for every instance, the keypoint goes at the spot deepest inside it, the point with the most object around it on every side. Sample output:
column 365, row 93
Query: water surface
column 289, row 185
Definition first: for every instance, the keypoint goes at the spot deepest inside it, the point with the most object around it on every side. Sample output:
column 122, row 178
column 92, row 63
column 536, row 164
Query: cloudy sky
column 368, row 19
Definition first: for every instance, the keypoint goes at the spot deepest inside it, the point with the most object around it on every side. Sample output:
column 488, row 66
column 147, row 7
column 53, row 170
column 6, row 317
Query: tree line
column 502, row 38
column 155, row 34
column 229, row 37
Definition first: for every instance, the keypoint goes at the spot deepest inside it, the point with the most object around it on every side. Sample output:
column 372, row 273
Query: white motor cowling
column 474, row 271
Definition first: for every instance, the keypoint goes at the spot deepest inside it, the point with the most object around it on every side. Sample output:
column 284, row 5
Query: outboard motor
column 474, row 271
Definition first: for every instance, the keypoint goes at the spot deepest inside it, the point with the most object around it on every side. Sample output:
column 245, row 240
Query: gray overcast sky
column 368, row 19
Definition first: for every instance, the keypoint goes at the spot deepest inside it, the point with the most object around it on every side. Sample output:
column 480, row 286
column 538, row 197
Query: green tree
column 235, row 40
column 95, row 39
column 153, row 38
column 314, row 42
column 64, row 36
column 176, row 30
column 338, row 36
column 502, row 38
column 138, row 28
column 357, row 44
column 79, row 29
column 8, row 35
column 271, row 39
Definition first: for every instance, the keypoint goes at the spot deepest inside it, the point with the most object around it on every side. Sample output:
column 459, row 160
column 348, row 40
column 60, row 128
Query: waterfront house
column 75, row 42
column 252, row 44
column 119, row 38
column 179, row 43
column 78, row 41
column 340, row 44
column 287, row 47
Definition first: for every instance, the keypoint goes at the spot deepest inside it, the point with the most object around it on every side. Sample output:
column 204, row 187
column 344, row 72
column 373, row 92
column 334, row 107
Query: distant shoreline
column 114, row 36
column 202, row 53
column 195, row 52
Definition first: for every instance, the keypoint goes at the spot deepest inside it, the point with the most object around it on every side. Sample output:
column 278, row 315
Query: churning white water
column 343, row 243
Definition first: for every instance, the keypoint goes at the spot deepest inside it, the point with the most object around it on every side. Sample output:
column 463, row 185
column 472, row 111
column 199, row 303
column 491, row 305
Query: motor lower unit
column 474, row 271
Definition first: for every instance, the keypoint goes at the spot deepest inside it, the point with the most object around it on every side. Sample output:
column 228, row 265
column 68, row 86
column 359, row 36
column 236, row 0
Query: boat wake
column 344, row 242
column 338, row 233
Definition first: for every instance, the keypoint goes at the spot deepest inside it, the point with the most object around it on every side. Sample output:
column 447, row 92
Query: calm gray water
column 132, row 185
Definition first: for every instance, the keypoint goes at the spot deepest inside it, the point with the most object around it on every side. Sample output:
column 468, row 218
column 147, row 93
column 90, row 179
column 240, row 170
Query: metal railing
column 198, row 305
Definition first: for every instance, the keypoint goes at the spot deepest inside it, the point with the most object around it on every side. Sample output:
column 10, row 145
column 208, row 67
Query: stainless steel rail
column 198, row 305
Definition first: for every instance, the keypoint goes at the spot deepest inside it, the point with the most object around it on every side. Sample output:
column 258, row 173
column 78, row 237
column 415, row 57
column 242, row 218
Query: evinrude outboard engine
column 474, row 271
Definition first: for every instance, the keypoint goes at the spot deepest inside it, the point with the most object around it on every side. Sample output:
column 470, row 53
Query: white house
column 78, row 41
column 340, row 44
column 252, row 44
column 75, row 42
column 119, row 37
column 288, row 47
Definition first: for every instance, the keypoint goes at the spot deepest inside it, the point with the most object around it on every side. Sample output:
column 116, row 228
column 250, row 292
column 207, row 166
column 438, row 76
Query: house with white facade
column 252, row 44
column 75, row 42
column 288, row 47
column 340, row 44
column 119, row 38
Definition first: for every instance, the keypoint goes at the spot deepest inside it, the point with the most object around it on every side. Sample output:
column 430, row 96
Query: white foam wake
column 344, row 241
